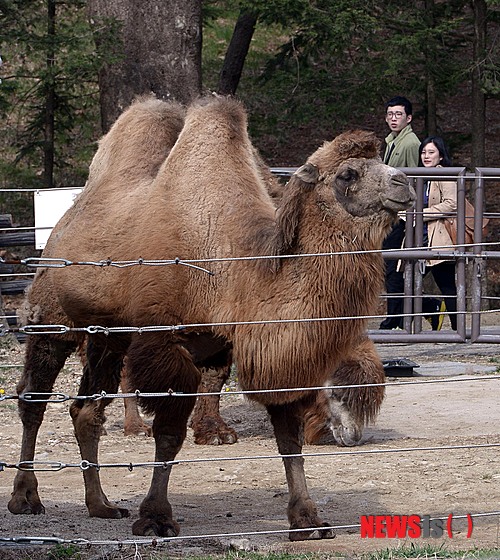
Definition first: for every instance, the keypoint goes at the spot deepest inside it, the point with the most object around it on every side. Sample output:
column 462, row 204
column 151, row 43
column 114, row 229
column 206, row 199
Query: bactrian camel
column 206, row 198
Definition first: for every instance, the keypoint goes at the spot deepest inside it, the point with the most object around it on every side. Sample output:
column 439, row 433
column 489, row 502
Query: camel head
column 349, row 187
column 349, row 171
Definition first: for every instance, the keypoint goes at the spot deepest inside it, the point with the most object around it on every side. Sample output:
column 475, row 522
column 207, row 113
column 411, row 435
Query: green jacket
column 405, row 152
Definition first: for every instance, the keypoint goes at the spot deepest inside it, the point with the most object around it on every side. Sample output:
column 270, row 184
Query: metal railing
column 471, row 295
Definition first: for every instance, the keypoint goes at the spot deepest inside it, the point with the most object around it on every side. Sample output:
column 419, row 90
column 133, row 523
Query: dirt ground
column 219, row 500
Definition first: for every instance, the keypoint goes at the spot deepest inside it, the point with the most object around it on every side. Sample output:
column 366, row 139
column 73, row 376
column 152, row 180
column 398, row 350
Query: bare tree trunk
column 236, row 53
column 431, row 107
column 157, row 44
column 430, row 64
column 48, row 145
column 478, row 98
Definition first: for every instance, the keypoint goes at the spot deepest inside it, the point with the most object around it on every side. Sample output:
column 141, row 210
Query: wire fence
column 354, row 454
column 41, row 262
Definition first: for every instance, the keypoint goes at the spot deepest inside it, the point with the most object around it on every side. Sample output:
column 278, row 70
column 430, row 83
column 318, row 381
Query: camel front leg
column 288, row 427
column 339, row 415
column 169, row 429
column 155, row 511
column 354, row 407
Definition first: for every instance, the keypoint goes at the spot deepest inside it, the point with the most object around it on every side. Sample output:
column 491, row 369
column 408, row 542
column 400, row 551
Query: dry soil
column 220, row 499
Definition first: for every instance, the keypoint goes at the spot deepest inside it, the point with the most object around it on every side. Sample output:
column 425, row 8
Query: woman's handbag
column 451, row 225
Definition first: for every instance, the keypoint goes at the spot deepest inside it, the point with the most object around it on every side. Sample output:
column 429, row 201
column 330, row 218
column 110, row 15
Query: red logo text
column 408, row 526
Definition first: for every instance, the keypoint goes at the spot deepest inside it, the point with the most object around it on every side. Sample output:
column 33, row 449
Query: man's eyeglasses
column 395, row 114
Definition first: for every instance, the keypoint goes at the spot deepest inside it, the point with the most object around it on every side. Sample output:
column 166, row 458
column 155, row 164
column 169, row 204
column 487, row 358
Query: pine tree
column 48, row 91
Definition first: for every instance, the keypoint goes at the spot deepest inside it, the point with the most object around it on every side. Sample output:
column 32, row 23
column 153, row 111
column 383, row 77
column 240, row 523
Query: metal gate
column 472, row 301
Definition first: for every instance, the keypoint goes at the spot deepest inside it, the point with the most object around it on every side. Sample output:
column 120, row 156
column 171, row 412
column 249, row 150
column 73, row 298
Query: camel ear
column 308, row 174
column 305, row 178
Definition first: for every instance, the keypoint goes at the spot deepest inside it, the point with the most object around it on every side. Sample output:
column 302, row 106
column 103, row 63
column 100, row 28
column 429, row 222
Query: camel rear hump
column 212, row 180
column 120, row 175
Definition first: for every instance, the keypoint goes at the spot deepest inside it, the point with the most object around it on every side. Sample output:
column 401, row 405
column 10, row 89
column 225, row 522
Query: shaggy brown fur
column 208, row 199
column 335, row 416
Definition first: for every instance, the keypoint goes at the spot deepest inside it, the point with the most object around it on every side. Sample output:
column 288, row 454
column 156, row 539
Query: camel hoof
column 138, row 430
column 213, row 432
column 226, row 438
column 315, row 535
column 24, row 507
column 346, row 436
column 147, row 527
column 109, row 512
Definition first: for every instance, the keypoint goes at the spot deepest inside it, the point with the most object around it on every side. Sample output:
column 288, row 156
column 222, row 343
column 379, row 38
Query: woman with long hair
column 440, row 199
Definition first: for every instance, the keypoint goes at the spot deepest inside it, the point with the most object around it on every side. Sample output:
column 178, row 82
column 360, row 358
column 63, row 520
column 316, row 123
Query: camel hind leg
column 157, row 364
column 208, row 426
column 101, row 373
column 288, row 424
column 133, row 424
column 45, row 357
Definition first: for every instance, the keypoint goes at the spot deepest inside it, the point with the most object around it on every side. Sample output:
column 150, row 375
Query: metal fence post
column 478, row 264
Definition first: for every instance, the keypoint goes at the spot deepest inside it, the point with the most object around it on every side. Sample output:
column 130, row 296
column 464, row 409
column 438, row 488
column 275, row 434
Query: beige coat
column 442, row 201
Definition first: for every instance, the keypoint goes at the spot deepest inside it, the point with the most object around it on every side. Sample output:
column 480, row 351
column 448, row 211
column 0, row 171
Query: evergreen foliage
column 27, row 77
column 324, row 65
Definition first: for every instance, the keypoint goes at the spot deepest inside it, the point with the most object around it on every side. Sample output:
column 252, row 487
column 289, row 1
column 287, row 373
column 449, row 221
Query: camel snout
column 400, row 195
column 347, row 436
column 399, row 180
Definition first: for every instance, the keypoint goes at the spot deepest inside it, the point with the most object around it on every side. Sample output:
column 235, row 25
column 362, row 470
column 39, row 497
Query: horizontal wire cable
column 155, row 541
column 43, row 329
column 91, row 329
column 34, row 329
column 59, row 397
column 55, row 466
column 24, row 228
column 20, row 365
column 9, row 275
column 61, row 262
column 41, row 189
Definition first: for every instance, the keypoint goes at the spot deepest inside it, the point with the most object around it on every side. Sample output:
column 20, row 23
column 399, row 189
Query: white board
column 50, row 206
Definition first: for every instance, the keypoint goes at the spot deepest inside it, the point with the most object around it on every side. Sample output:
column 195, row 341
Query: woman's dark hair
column 440, row 145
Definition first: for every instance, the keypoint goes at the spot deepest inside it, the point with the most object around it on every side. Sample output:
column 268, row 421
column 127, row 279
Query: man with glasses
column 402, row 143
column 401, row 150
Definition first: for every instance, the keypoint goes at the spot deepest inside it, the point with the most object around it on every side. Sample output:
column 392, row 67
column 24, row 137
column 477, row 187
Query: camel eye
column 348, row 175
column 346, row 181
